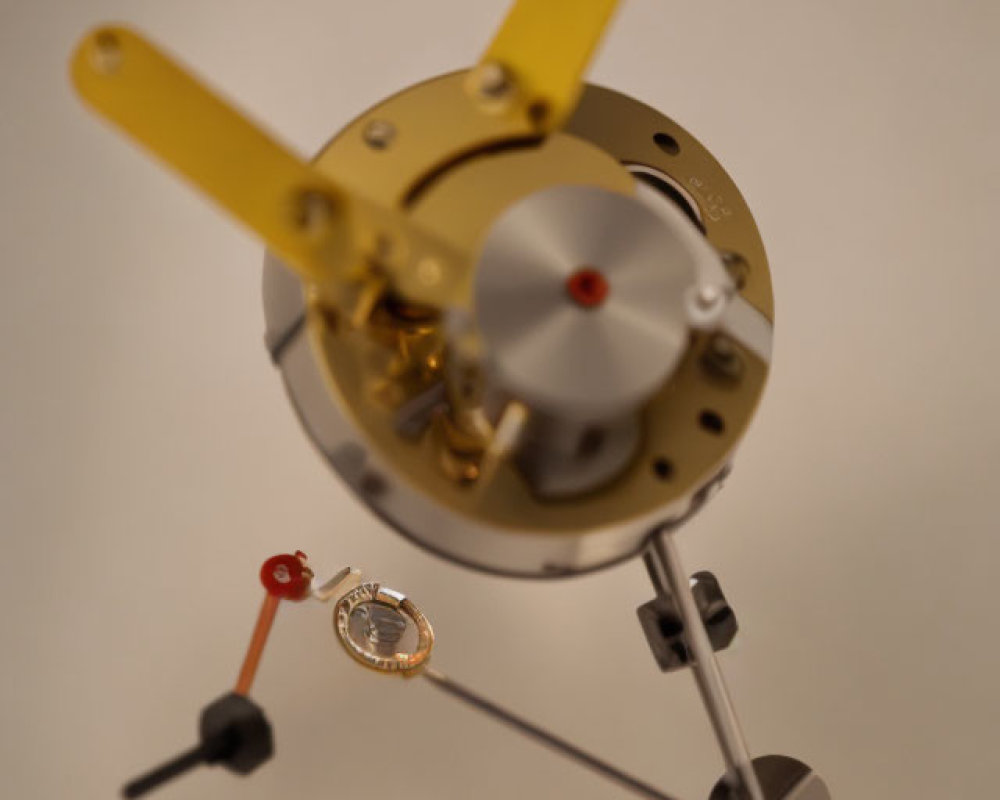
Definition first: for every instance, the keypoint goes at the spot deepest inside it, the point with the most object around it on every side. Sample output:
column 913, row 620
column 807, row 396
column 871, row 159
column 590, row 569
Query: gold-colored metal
column 401, row 662
column 672, row 432
column 385, row 224
column 434, row 129
column 297, row 211
column 628, row 129
column 459, row 203
column 465, row 201
column 533, row 68
column 318, row 227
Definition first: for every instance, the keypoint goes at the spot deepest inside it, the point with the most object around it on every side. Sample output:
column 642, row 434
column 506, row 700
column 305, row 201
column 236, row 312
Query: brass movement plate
column 696, row 420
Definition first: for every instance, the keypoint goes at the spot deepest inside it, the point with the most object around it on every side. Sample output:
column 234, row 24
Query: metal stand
column 670, row 578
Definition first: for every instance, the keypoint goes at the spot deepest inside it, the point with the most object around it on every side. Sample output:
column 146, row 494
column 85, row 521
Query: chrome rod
column 542, row 736
column 668, row 572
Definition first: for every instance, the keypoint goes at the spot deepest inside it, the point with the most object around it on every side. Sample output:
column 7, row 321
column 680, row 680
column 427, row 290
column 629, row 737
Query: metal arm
column 668, row 572
column 319, row 228
column 534, row 66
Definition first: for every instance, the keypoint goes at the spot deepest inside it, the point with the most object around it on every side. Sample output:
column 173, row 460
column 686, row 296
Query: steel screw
column 379, row 134
column 493, row 81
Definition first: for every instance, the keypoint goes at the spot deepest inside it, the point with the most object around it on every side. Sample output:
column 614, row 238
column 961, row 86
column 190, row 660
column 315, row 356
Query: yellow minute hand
column 318, row 228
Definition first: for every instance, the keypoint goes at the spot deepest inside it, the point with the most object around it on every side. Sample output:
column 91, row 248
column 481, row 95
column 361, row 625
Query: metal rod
column 666, row 569
column 542, row 736
column 189, row 759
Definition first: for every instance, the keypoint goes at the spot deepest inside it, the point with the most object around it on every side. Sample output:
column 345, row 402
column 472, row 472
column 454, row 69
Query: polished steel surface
column 669, row 572
column 585, row 363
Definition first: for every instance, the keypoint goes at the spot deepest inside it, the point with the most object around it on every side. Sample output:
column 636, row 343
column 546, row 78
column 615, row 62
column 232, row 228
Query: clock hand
column 325, row 231
column 233, row 730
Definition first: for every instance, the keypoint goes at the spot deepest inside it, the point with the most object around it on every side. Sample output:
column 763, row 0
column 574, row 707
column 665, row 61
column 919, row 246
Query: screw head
column 429, row 271
column 708, row 296
column 706, row 304
column 379, row 133
column 493, row 81
column 737, row 267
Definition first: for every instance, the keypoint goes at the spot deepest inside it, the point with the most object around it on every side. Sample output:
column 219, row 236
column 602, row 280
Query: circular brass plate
column 690, row 427
column 630, row 131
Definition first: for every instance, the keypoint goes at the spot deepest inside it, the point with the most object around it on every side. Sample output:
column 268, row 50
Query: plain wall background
column 151, row 462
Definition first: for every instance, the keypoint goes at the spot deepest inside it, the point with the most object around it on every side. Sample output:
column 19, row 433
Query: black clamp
column 661, row 622
column 234, row 732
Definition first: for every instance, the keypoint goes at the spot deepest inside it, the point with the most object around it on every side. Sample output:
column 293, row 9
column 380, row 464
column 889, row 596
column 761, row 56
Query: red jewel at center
column 587, row 287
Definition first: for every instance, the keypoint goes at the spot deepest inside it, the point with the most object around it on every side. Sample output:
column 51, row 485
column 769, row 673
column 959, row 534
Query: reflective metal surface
column 585, row 363
column 667, row 570
column 371, row 622
column 664, row 628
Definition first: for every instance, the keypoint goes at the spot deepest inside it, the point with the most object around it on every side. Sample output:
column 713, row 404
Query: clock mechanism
column 525, row 319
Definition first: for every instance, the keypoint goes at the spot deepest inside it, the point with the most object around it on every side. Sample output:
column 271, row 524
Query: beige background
column 150, row 460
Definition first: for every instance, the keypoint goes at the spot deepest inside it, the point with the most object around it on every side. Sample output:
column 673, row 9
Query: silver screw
column 493, row 81
column 708, row 296
column 723, row 348
column 737, row 267
column 379, row 134
column 722, row 358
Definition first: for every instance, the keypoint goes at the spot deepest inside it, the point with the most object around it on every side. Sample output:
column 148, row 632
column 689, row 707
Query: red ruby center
column 587, row 287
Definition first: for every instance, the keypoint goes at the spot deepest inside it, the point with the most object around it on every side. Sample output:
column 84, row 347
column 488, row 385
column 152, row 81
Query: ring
column 373, row 593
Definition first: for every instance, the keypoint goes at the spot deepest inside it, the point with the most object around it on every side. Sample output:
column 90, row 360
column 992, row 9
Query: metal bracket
column 664, row 627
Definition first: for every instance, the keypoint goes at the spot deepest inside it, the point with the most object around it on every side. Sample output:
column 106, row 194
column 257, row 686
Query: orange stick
column 256, row 648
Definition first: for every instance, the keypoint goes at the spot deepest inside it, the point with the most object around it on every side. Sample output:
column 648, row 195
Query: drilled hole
column 712, row 422
column 667, row 143
column 538, row 112
column 663, row 468
column 669, row 626
column 720, row 617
